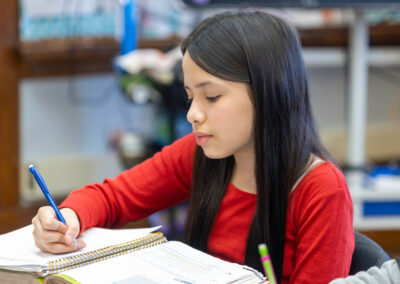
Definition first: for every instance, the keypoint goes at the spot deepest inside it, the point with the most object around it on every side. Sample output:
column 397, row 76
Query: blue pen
column 46, row 193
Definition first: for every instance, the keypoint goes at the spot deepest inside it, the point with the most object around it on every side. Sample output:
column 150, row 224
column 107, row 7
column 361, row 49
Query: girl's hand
column 51, row 235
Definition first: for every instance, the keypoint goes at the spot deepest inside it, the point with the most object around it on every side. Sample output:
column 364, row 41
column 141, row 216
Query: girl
column 254, row 168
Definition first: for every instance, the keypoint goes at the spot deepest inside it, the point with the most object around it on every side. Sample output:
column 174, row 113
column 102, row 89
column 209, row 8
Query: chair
column 367, row 253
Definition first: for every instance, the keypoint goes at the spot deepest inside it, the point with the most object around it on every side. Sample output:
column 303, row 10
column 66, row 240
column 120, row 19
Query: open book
column 116, row 256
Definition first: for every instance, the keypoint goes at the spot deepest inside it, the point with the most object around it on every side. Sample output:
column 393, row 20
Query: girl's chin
column 214, row 154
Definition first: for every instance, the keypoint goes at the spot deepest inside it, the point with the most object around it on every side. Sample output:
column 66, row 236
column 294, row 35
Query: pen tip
column 30, row 166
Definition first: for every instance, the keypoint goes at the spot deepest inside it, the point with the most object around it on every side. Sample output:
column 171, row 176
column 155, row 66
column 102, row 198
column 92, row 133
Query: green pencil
column 267, row 264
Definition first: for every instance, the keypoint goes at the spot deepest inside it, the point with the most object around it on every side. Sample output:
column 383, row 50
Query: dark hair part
column 263, row 51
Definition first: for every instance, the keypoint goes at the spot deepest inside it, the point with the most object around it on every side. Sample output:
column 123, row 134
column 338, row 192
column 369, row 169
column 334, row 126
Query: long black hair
column 264, row 52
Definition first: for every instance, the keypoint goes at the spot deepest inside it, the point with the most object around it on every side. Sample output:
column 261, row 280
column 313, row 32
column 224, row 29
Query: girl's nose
column 195, row 114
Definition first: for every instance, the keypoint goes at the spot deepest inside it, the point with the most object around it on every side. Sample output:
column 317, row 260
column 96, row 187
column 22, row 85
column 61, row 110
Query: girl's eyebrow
column 203, row 84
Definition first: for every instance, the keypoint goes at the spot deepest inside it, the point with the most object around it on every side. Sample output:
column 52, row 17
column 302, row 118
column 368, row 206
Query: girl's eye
column 212, row 99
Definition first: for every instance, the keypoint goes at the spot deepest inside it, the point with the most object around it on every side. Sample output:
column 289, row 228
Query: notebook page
column 168, row 263
column 18, row 248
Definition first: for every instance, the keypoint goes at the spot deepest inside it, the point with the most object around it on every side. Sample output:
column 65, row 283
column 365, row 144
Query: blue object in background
column 381, row 208
column 99, row 24
column 388, row 170
column 129, row 35
column 381, row 171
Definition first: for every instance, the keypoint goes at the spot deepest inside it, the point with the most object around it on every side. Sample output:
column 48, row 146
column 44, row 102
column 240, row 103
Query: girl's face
column 221, row 112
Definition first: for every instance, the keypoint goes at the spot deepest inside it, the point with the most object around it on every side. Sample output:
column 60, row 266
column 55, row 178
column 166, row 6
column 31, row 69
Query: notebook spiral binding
column 86, row 258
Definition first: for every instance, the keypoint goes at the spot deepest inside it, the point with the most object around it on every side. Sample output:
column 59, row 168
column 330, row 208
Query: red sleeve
column 323, row 216
column 159, row 182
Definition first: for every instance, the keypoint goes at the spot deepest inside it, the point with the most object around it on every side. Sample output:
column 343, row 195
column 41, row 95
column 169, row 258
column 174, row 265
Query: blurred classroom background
column 92, row 87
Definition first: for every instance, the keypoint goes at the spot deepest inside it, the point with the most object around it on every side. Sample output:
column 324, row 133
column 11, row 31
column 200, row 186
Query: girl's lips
column 202, row 139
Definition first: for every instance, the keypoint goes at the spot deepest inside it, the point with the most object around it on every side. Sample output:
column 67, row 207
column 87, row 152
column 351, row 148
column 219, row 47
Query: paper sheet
column 18, row 248
column 168, row 263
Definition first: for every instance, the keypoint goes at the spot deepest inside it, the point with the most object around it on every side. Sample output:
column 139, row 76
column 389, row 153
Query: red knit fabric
column 319, row 229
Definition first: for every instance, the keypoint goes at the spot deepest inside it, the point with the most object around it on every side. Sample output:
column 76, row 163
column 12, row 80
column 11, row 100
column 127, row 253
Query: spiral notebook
column 18, row 252
column 132, row 255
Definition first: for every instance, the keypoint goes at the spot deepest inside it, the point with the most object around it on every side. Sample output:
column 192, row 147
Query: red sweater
column 319, row 229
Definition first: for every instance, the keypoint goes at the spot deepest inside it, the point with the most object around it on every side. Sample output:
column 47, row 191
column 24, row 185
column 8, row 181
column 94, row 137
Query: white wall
column 330, row 104
column 327, row 87
column 65, row 128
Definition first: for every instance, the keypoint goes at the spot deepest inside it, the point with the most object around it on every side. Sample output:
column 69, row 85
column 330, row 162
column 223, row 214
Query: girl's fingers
column 53, row 236
column 48, row 220
column 45, row 236
column 55, row 247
